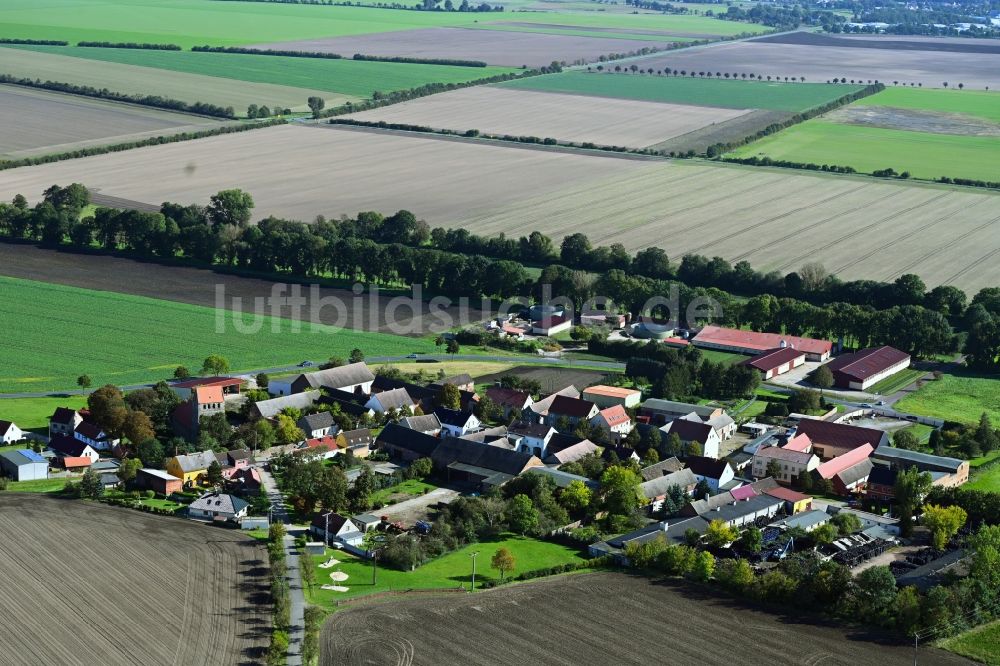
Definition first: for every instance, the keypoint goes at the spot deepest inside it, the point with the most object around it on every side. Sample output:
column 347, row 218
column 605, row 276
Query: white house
column 531, row 438
column 10, row 433
column 333, row 527
column 703, row 434
column 457, row 423
column 716, row 473
column 318, row 425
column 613, row 419
column 217, row 506
column 386, row 401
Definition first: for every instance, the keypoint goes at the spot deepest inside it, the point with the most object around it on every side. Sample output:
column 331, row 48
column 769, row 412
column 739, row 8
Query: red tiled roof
column 800, row 442
column 742, row 493
column 72, row 461
column 207, row 394
column 760, row 342
column 615, row 415
column 788, row 455
column 863, row 364
column 329, row 442
column 839, row 435
column 834, row 466
column 611, row 391
column 575, row 407
column 773, row 359
column 507, row 396
column 786, row 494
column 680, row 342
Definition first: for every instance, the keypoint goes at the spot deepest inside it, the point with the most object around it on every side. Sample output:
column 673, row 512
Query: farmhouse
column 463, row 382
column 509, row 399
column 233, row 460
column 393, row 399
column 64, row 421
column 564, row 449
column 573, row 410
column 405, row 444
column 703, row 434
column 609, row 396
column 615, row 420
column 72, row 423
column 549, row 326
column 716, row 473
column 335, row 528
column 848, row 472
column 23, row 465
column 158, row 481
column 318, row 425
column 657, row 488
column 867, row 367
column 10, row 433
column 321, row 447
column 358, row 441
column 795, row 502
column 428, row 424
column 217, row 506
column 774, row 362
column 350, row 378
column 482, row 465
column 791, row 463
column 661, row 468
column 753, row 343
column 203, row 401
column 269, row 409
column 70, row 450
column 833, row 439
column 540, row 408
column 946, row 472
column 191, row 468
column 531, row 438
column 563, row 479
column 664, row 411
column 456, row 423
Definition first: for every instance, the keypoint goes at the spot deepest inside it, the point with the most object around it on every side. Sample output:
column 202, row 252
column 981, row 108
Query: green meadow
column 978, row 103
column 55, row 333
column 686, row 90
column 956, row 397
column 348, row 77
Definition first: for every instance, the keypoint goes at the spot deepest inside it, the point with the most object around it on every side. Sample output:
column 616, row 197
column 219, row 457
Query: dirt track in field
column 89, row 584
column 496, row 47
column 197, row 286
column 600, row 120
column 598, row 619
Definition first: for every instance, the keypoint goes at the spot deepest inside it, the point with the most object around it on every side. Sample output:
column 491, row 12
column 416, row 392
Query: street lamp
column 473, row 556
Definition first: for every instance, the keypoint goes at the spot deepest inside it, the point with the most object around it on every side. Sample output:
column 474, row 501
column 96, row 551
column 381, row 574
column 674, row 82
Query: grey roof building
column 661, row 485
column 24, row 465
column 217, row 506
column 429, row 424
column 268, row 409
column 563, row 479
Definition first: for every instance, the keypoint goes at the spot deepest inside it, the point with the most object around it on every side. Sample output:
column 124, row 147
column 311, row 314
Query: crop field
column 858, row 228
column 961, row 397
column 818, row 59
column 134, row 79
column 33, row 413
column 55, row 333
column 35, row 122
column 603, row 121
column 981, row 644
column 540, row 623
column 977, row 103
column 551, row 379
column 190, row 594
column 351, row 78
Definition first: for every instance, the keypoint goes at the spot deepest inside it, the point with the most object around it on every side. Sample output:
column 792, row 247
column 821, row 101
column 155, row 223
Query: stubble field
column 606, row 618
column 775, row 219
column 603, row 121
column 35, row 122
column 91, row 584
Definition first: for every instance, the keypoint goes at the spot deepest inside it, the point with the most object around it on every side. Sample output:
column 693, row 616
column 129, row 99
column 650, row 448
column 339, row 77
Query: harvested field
column 887, row 42
column 602, row 121
column 134, row 79
column 817, row 62
column 730, row 130
column 508, row 48
column 36, row 122
column 858, row 228
column 188, row 593
column 539, row 623
column 551, row 379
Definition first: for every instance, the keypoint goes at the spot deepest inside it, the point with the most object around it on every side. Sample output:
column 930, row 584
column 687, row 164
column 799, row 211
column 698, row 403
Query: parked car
column 866, row 405
column 306, row 364
column 411, row 356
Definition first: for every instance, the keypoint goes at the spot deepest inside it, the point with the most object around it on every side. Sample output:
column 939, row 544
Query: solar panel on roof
column 31, row 455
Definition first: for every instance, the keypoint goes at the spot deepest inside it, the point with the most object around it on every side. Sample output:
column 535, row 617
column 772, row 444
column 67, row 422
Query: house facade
column 191, row 468
column 10, row 433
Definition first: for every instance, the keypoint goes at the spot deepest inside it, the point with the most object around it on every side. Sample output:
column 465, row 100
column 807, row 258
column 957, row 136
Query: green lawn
column 988, row 479
column 347, row 77
column 979, row 103
column 409, row 487
column 448, row 571
column 981, row 644
column 55, row 333
column 923, row 154
column 685, row 90
column 39, row 486
column 34, row 413
column 898, row 381
column 956, row 397
column 722, row 357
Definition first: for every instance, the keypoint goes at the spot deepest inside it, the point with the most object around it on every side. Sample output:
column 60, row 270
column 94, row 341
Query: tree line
column 131, row 45
column 420, row 61
column 35, row 42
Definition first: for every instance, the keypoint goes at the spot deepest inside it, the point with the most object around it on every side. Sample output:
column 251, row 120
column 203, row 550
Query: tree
column 620, row 490
column 905, row 439
column 704, row 566
column 825, row 533
column 821, row 378
column 736, row 574
column 107, row 409
column 90, row 485
column 150, row 452
column 214, row 473
column 452, row 346
column 944, row 522
column 138, row 427
column 847, row 523
column 985, row 434
column 262, row 380
column 522, row 515
column 286, row 432
column 906, row 610
column 316, row 104
column 503, row 561
column 874, row 592
column 84, row 382
column 215, row 365
column 230, row 207
column 128, row 469
column 421, row 468
column 910, row 488
column 450, row 397
column 576, row 497
column 720, row 534
column 752, row 540
column 181, row 372
column 773, row 469
column 357, row 356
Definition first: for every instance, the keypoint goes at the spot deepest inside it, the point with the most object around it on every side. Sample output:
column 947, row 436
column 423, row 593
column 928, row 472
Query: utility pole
column 916, row 646
column 326, row 533
column 374, row 568
column 473, row 556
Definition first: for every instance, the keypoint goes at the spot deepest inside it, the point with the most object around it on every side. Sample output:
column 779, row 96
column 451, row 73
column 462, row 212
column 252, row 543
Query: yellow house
column 795, row 502
column 357, row 441
column 191, row 468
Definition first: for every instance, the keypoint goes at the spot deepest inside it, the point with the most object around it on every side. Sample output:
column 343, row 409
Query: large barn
column 867, row 367
column 753, row 343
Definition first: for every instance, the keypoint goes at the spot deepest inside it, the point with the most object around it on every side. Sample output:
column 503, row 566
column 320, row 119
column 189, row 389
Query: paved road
column 296, row 633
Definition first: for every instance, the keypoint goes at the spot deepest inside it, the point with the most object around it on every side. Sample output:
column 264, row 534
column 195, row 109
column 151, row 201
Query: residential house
column 71, row 449
column 620, row 452
column 91, row 433
column 946, row 472
column 358, row 442
column 191, row 468
column 531, row 438
column 882, row 483
column 463, row 382
column 393, row 399
column 456, row 423
column 615, row 420
column 351, row 378
column 509, row 400
column 662, row 468
column 334, row 528
column 563, row 449
column 24, row 465
column 848, row 472
column 218, row 506
column 204, row 401
column 321, row 447
column 790, row 463
column 664, row 411
column 610, row 396
column 158, row 481
column 657, row 488
column 429, row 424
column 233, row 460
column 753, row 343
column 702, row 434
column 72, row 423
column 549, row 326
column 269, row 409
column 716, row 473
column 573, row 410
column 481, row 465
column 10, row 433
column 404, row 444
column 245, row 481
column 540, row 408
column 863, row 369
column 777, row 361
column 64, row 421
column 795, row 502
column 320, row 424
column 831, row 439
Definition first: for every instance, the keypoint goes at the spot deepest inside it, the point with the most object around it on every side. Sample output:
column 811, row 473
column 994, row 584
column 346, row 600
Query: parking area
column 418, row 508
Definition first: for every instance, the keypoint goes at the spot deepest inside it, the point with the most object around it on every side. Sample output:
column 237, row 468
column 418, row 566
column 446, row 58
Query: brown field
column 725, row 132
column 552, row 379
column 37, row 122
column 197, row 286
column 91, row 584
column 606, row 618
column 849, row 58
column 600, row 120
column 496, row 47
column 775, row 219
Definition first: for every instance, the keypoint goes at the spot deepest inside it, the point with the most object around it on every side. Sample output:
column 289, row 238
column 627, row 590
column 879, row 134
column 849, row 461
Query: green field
column 896, row 382
column 39, row 486
column 347, row 77
column 412, row 487
column 988, row 479
column 449, row 571
column 978, row 103
column 33, row 413
column 981, row 644
column 956, row 397
column 722, row 357
column 685, row 90
column 923, row 154
column 55, row 333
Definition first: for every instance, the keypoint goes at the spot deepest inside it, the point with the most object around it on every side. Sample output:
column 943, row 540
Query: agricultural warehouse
column 945, row 471
column 23, row 465
column 833, row 439
column 867, row 367
column 776, row 362
column 751, row 342
column 609, row 396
